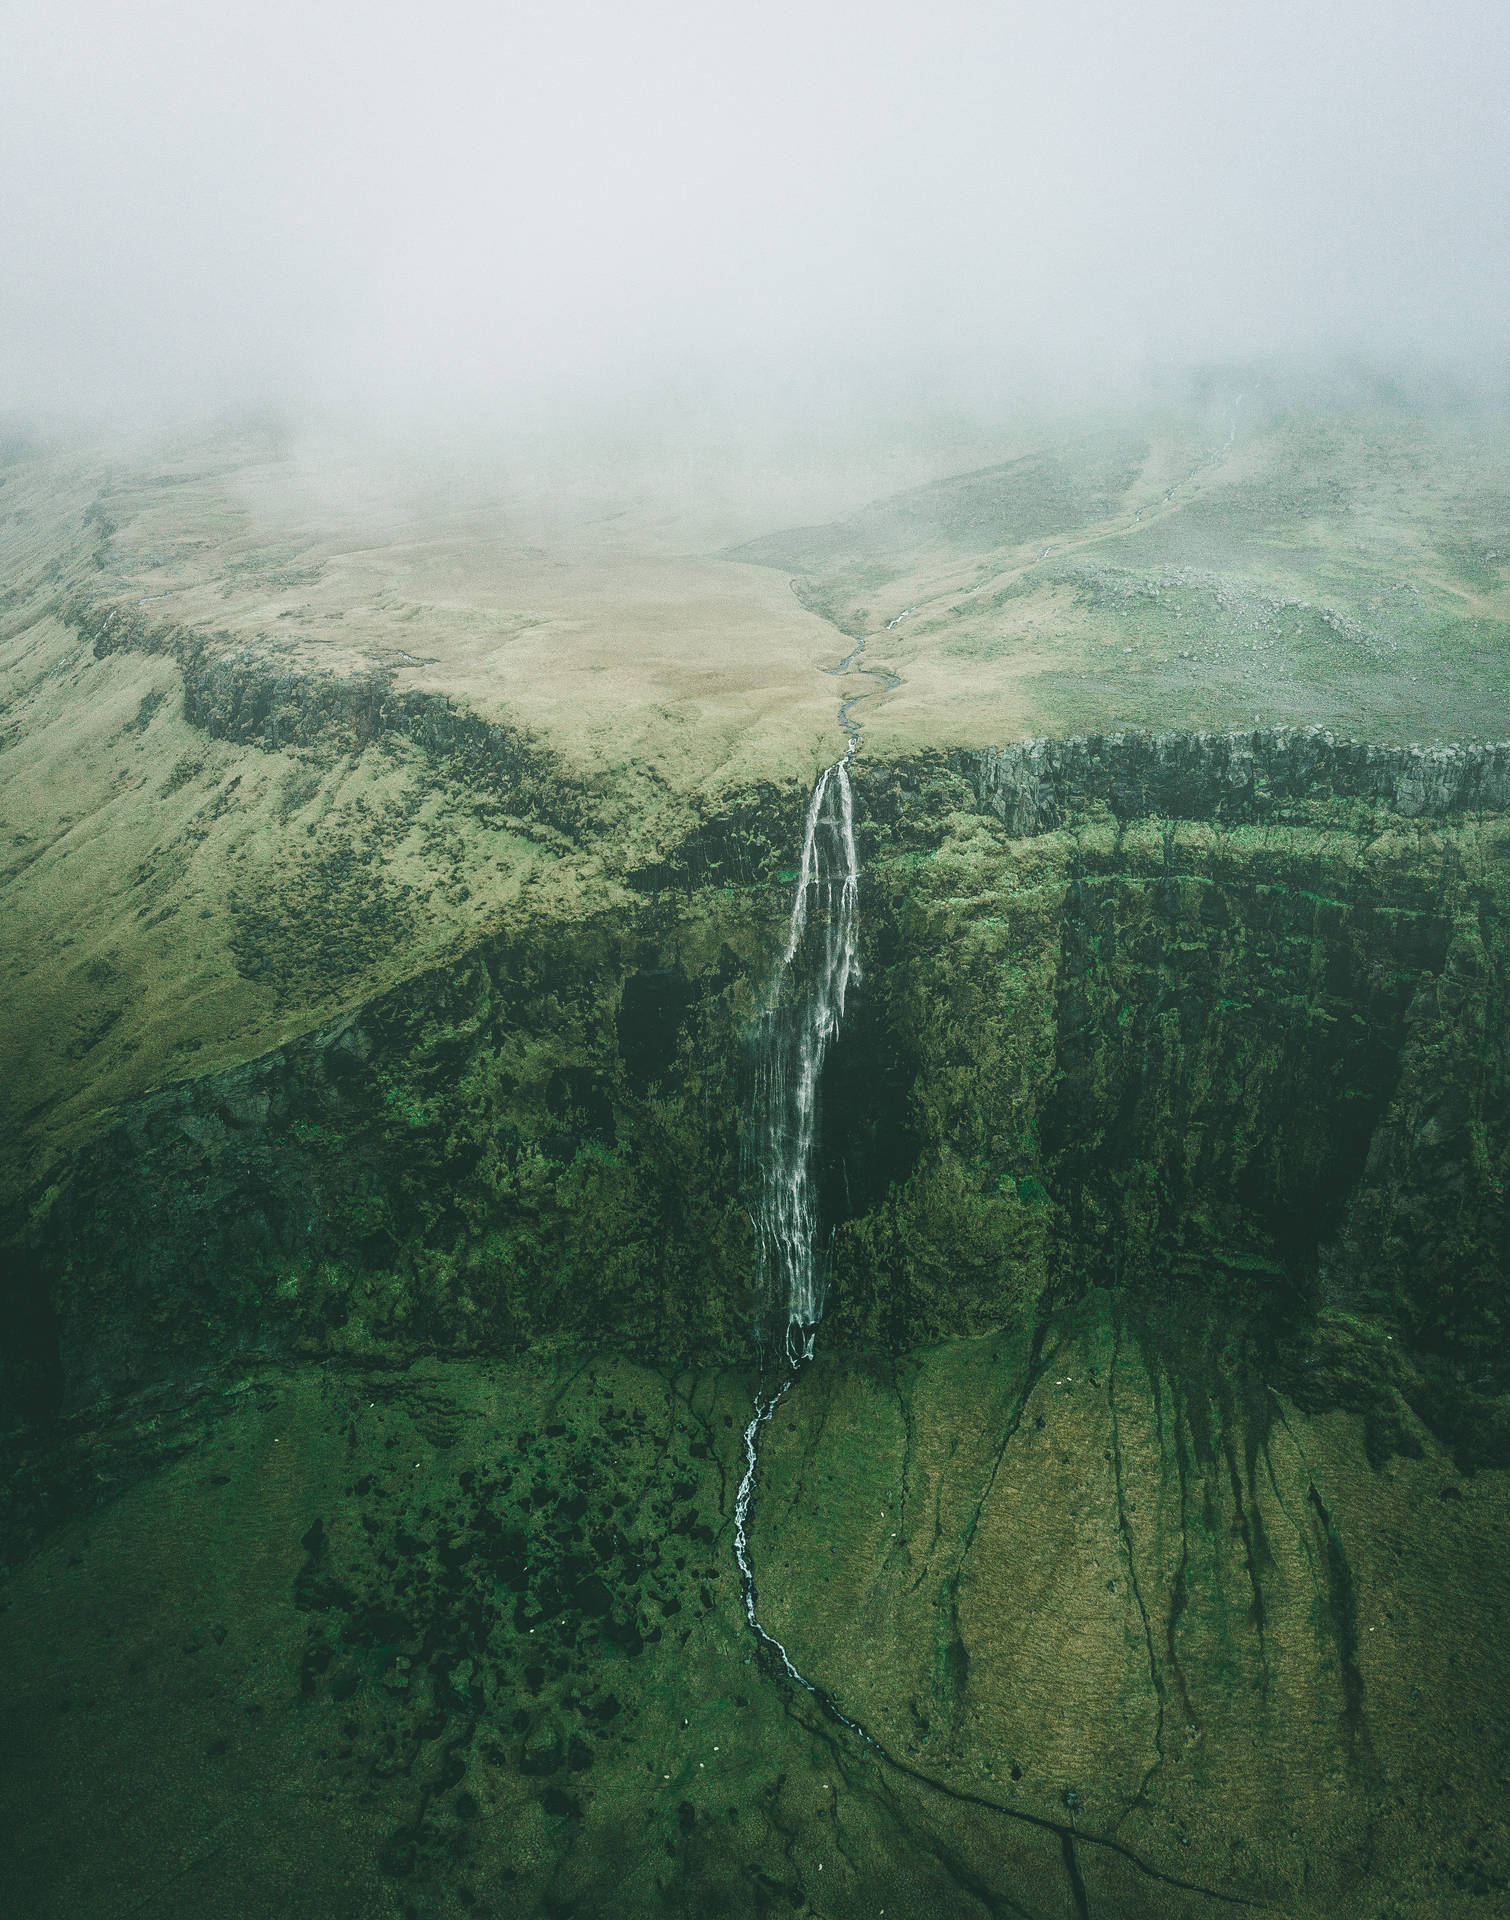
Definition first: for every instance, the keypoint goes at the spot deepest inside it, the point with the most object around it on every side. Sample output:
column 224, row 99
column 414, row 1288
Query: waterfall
column 802, row 1017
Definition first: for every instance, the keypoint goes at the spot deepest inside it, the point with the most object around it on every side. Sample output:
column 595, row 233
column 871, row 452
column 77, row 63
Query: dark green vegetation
column 1167, row 1161
column 463, row 1637
column 1131, row 1046
column 374, row 1335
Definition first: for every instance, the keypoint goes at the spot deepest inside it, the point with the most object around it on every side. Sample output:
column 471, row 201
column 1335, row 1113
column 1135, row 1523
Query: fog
column 669, row 212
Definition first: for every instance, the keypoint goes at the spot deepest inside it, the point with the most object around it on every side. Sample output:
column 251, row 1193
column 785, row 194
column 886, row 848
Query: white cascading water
column 801, row 1020
column 803, row 1016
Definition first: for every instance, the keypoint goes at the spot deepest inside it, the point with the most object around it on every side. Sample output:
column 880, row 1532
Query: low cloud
column 547, row 215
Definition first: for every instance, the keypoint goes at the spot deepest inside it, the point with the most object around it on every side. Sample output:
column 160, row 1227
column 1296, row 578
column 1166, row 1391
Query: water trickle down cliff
column 802, row 1018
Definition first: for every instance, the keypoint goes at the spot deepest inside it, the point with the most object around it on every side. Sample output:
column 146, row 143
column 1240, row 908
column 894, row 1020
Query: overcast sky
column 501, row 208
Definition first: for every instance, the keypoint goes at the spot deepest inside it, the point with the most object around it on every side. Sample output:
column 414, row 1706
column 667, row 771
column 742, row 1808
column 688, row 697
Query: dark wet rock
column 305, row 1201
column 1229, row 777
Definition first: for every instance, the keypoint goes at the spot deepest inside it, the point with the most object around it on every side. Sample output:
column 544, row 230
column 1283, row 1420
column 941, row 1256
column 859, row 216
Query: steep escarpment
column 1235, row 778
column 1229, row 1020
column 250, row 697
column 378, row 1400
column 393, row 895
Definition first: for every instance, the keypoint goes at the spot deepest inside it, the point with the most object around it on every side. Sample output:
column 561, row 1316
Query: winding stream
column 888, row 680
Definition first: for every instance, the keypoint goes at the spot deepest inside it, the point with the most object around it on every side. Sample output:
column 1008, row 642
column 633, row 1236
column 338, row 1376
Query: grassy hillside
column 1267, row 566
column 392, row 875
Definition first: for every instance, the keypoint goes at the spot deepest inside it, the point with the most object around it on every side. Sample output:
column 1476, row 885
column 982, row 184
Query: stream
column 802, row 1018
column 803, row 1015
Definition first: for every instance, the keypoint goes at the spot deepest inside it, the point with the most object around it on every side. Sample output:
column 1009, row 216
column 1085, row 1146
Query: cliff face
column 1229, row 1022
column 246, row 697
column 383, row 1394
column 1245, row 777
column 375, row 1345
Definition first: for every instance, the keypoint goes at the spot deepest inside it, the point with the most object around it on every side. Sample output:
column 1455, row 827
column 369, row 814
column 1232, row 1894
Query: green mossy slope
column 380, row 1398
column 464, row 1637
column 1258, row 1064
